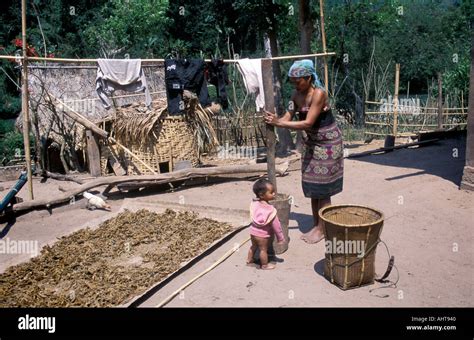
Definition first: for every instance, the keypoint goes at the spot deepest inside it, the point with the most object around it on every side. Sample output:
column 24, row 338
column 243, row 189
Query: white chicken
column 94, row 202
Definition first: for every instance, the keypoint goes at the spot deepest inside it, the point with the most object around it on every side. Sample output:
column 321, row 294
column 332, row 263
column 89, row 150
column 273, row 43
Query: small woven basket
column 352, row 233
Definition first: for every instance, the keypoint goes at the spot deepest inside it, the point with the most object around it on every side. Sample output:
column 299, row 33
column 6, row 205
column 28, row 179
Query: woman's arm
column 288, row 116
column 317, row 104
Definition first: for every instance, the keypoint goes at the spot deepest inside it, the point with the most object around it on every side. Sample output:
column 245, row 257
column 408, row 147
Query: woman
column 322, row 158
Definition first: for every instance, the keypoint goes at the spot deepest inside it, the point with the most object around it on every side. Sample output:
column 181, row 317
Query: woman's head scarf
column 304, row 68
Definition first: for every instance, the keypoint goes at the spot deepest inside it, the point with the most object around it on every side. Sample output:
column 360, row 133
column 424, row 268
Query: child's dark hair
column 260, row 187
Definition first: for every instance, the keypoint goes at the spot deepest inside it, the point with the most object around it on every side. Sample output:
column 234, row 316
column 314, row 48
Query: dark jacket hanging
column 217, row 75
column 185, row 74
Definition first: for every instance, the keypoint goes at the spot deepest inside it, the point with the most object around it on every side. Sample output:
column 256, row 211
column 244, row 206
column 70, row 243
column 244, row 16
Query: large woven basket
column 356, row 228
column 175, row 142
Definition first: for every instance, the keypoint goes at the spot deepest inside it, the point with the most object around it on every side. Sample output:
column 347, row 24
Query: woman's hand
column 271, row 118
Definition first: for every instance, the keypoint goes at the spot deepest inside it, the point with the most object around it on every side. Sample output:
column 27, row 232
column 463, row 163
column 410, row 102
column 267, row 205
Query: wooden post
column 24, row 100
column 267, row 77
column 323, row 39
column 395, row 101
column 467, row 182
column 440, row 102
column 93, row 153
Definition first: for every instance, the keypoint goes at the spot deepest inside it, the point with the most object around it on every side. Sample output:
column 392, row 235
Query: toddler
column 264, row 223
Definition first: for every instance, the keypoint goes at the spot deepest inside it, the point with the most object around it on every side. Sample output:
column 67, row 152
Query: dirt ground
column 428, row 228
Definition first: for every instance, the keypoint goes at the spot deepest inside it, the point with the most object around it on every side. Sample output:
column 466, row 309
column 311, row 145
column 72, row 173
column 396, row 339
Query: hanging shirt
column 185, row 74
column 251, row 70
column 217, row 76
column 120, row 74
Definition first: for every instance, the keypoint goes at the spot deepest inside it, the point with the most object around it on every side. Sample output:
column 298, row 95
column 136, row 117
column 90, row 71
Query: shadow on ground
column 305, row 221
column 445, row 159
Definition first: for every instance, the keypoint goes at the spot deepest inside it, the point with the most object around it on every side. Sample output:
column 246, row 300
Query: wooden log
column 370, row 152
column 440, row 134
column 267, row 75
column 93, row 153
column 162, row 178
column 61, row 177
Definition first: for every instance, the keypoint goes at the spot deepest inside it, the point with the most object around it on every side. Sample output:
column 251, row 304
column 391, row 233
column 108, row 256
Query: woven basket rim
column 323, row 210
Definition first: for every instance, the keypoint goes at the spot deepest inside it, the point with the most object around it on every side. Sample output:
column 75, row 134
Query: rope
column 390, row 284
column 219, row 261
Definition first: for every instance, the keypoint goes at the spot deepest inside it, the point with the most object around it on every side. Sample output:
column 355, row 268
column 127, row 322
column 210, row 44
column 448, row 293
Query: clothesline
column 112, row 97
column 67, row 60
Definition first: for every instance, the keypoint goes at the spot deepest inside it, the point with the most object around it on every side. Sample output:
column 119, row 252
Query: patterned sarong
column 323, row 162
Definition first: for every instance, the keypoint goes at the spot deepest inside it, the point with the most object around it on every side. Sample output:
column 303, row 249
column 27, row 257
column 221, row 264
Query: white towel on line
column 120, row 74
column 251, row 70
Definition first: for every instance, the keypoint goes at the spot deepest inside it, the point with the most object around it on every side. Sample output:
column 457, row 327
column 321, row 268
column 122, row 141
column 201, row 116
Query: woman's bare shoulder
column 319, row 96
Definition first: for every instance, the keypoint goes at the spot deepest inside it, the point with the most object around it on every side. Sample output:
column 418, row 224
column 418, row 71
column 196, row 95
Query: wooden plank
column 115, row 164
column 93, row 154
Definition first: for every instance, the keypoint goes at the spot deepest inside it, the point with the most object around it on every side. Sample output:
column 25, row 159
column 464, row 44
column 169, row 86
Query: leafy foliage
column 425, row 37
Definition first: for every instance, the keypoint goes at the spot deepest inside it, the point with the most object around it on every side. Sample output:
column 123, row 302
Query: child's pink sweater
column 265, row 220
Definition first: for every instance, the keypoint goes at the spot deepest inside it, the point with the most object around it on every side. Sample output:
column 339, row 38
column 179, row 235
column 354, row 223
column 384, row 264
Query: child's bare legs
column 252, row 250
column 316, row 234
column 263, row 246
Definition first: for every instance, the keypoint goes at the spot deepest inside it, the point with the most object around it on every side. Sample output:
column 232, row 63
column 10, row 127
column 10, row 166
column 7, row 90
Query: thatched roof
column 138, row 126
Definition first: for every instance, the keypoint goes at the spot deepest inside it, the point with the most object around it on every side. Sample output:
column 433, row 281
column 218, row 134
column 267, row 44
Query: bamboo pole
column 323, row 38
column 24, row 101
column 440, row 102
column 218, row 262
column 76, row 116
column 69, row 60
column 113, row 140
column 395, row 100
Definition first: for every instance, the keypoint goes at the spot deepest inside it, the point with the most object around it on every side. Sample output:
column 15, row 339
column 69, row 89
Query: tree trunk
column 305, row 24
column 63, row 158
column 271, row 50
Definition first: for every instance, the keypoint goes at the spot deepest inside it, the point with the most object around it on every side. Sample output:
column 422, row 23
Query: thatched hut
column 150, row 135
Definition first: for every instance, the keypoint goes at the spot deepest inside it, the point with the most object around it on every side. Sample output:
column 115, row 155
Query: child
column 264, row 223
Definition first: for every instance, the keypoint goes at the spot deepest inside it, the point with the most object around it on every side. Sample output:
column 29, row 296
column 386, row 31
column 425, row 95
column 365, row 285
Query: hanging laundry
column 217, row 75
column 251, row 70
column 120, row 74
column 185, row 74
